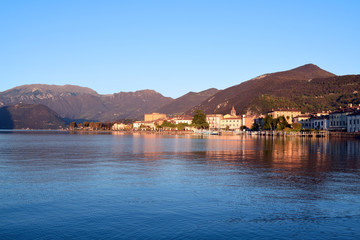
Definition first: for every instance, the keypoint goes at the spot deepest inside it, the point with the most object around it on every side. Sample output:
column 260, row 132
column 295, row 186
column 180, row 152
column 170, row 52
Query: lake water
column 58, row 185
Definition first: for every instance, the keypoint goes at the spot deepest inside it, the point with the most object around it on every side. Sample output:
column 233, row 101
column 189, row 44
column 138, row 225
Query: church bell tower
column 233, row 111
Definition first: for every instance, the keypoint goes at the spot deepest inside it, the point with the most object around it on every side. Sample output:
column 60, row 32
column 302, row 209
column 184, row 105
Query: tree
column 95, row 125
column 167, row 124
column 296, row 126
column 244, row 128
column 181, row 126
column 255, row 127
column 281, row 123
column 107, row 126
column 268, row 123
column 199, row 120
column 72, row 125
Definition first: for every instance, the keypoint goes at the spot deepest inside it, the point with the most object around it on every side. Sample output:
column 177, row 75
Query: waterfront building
column 214, row 120
column 181, row 119
column 231, row 121
column 320, row 123
column 338, row 119
column 289, row 114
column 305, row 123
column 119, row 126
column 144, row 124
column 353, row 122
column 317, row 121
column 304, row 120
column 249, row 119
column 154, row 117
column 302, row 117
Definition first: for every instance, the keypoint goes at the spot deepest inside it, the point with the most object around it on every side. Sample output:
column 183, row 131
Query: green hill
column 308, row 88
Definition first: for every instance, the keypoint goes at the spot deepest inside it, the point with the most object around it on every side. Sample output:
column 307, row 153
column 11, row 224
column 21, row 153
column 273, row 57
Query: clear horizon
column 172, row 47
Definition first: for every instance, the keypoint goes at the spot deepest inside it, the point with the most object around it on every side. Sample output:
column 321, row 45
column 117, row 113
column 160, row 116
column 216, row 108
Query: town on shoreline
column 283, row 121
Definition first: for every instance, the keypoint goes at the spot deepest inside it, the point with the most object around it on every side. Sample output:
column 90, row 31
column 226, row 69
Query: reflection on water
column 60, row 185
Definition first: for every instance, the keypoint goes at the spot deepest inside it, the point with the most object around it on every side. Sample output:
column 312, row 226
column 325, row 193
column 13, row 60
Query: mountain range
column 308, row 88
column 74, row 102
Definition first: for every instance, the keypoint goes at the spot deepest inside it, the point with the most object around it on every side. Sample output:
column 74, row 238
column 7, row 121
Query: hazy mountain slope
column 68, row 101
column 242, row 95
column 132, row 104
column 183, row 103
column 74, row 102
column 33, row 116
column 44, row 91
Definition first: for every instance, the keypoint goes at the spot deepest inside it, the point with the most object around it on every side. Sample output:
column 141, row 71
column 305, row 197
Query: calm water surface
column 60, row 185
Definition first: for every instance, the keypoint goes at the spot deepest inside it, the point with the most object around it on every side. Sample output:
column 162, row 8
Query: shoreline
column 320, row 134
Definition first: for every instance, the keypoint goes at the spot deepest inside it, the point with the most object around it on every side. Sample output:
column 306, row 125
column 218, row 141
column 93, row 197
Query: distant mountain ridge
column 305, row 72
column 32, row 91
column 74, row 102
column 183, row 103
column 32, row 116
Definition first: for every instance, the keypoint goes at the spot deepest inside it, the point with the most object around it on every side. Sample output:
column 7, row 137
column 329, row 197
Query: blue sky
column 172, row 47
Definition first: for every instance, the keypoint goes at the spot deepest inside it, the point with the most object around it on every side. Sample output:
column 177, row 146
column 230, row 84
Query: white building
column 338, row 119
column 304, row 120
column 320, row 123
column 119, row 126
column 144, row 124
column 181, row 119
column 353, row 122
